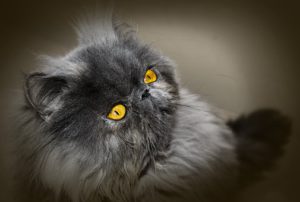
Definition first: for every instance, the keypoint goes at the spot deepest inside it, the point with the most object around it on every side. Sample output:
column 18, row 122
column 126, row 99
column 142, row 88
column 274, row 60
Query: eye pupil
column 150, row 76
column 118, row 112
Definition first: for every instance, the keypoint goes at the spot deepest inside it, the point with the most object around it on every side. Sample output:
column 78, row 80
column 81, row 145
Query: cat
column 109, row 121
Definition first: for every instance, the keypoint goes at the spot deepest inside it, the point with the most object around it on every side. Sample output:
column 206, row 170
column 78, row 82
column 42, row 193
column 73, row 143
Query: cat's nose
column 145, row 94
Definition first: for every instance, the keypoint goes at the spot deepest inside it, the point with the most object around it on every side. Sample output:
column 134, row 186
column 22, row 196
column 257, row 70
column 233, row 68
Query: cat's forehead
column 110, row 59
column 109, row 74
column 115, row 68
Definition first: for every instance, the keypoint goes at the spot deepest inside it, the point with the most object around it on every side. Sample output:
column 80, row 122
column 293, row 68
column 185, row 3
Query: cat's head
column 104, row 111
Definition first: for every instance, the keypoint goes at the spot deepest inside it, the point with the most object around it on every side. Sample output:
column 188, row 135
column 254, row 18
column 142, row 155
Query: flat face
column 240, row 59
column 111, row 110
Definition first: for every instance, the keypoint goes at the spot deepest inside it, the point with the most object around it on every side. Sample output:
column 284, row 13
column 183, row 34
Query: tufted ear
column 43, row 93
column 98, row 25
column 123, row 31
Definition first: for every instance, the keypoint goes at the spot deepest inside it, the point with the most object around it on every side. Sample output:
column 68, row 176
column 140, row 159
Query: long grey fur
column 171, row 147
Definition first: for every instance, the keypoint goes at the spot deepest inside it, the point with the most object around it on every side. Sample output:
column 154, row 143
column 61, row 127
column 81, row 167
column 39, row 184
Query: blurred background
column 239, row 56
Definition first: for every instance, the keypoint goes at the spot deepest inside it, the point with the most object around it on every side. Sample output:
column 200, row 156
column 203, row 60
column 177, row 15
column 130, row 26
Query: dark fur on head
column 71, row 106
column 170, row 146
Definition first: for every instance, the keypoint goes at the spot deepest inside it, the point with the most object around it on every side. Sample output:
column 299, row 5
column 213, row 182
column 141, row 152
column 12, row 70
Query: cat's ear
column 43, row 93
column 123, row 31
column 98, row 25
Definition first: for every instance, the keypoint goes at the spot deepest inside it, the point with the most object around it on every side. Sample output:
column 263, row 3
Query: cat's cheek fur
column 169, row 147
column 60, row 173
column 69, row 169
column 161, row 89
column 202, row 150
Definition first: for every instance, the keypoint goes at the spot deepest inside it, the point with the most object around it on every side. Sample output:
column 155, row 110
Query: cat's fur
column 169, row 147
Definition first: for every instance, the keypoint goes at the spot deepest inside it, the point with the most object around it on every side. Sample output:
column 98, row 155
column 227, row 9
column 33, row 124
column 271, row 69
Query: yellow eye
column 150, row 76
column 117, row 112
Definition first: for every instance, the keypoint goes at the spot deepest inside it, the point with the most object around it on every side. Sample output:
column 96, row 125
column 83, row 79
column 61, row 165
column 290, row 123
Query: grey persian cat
column 110, row 122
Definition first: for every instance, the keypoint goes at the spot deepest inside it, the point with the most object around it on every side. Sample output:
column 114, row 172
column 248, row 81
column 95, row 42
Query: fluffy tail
column 261, row 136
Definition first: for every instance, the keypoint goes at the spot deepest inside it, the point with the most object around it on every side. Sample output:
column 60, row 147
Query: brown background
column 239, row 56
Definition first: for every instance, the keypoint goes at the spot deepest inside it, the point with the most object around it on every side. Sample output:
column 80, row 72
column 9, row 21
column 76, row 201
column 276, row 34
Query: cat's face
column 76, row 95
column 114, row 75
